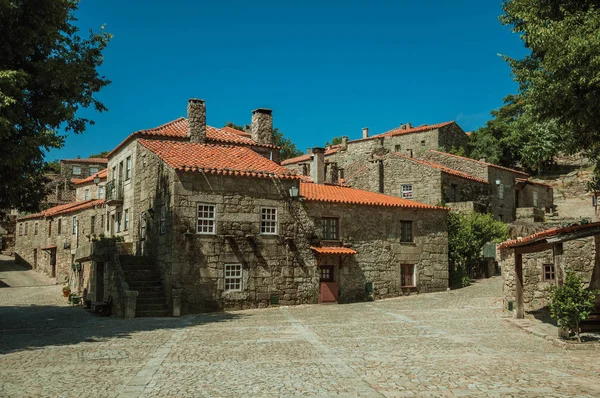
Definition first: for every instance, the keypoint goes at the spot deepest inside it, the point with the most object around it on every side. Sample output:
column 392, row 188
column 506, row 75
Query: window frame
column 402, row 229
column 100, row 192
column 128, row 168
column 59, row 226
column 326, row 229
column 92, row 168
column 329, row 270
column 73, row 170
column 273, row 224
column 501, row 191
column 143, row 226
column 236, row 280
column 92, row 224
column 413, row 275
column 35, row 228
column 118, row 221
column 50, row 227
column 536, row 198
column 551, row 272
column 86, row 194
column 126, row 220
column 20, row 229
column 26, row 228
column 212, row 220
column 74, row 219
column 162, row 222
column 408, row 193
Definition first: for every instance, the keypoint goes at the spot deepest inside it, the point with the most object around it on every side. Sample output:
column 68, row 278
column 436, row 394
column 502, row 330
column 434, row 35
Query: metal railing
column 114, row 191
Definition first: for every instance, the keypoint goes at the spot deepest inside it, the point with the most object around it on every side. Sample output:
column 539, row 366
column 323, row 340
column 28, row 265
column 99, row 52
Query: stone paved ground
column 444, row 344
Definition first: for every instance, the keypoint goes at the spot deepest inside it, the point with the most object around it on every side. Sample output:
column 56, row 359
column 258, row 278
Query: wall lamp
column 294, row 193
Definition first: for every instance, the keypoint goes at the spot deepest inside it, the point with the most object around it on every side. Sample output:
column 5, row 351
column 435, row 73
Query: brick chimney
column 365, row 132
column 196, row 113
column 317, row 166
column 261, row 128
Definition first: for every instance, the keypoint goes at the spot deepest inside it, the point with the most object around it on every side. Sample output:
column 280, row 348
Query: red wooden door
column 328, row 292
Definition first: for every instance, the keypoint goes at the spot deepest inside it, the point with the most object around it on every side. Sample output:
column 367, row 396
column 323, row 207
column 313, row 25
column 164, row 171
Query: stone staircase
column 143, row 276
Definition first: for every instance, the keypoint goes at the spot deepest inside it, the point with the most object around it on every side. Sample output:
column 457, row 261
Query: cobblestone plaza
column 455, row 343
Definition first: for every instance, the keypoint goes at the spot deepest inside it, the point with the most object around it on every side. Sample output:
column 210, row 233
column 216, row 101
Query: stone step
column 150, row 294
column 151, row 313
column 151, row 307
column 139, row 267
column 128, row 259
column 142, row 275
column 157, row 299
column 134, row 284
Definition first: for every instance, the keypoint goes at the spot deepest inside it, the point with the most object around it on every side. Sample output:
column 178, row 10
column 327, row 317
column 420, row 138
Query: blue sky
column 326, row 68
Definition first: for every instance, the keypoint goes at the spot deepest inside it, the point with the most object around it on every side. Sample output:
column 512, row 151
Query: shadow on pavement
column 36, row 326
column 9, row 264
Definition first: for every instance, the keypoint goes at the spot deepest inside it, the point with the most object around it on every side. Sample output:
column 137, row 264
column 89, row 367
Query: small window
column 26, row 228
column 59, row 227
column 549, row 272
column 206, row 219
column 453, row 193
column 407, row 191
column 101, row 192
column 118, row 222
column 535, row 199
column 92, row 224
column 108, row 222
column 163, row 219
column 126, row 223
column 21, row 229
column 326, row 273
column 101, row 222
column 406, row 232
column 233, row 277
column 423, row 143
column 86, row 194
column 500, row 191
column 50, row 228
column 35, row 231
column 74, row 225
column 114, row 173
column 407, row 275
column 397, row 148
column 143, row 226
column 93, row 170
column 128, row 168
column 268, row 221
column 76, row 170
column 331, row 226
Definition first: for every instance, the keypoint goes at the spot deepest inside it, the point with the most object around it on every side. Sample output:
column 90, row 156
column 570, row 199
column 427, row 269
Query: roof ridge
column 480, row 162
column 443, row 168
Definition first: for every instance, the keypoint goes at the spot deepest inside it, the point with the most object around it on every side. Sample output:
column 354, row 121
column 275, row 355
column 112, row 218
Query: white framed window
column 101, row 192
column 126, row 223
column 331, row 228
column 205, row 218
column 93, row 170
column 268, row 221
column 535, row 199
column 233, row 277
column 118, row 222
column 76, row 170
column 128, row 168
column 407, row 191
column 500, row 191
column 142, row 226
column 74, row 225
column 163, row 219
column 86, row 194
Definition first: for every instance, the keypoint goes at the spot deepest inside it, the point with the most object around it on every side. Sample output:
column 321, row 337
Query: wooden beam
column 574, row 235
column 539, row 247
column 519, row 286
column 557, row 256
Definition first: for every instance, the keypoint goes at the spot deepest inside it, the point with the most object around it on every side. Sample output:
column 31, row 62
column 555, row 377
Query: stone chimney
column 333, row 173
column 365, row 132
column 344, row 143
column 317, row 166
column 261, row 128
column 196, row 113
column 408, row 126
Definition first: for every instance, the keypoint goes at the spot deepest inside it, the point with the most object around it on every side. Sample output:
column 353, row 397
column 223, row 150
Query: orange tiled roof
column 177, row 130
column 481, row 162
column 86, row 160
column 306, row 157
column 533, row 182
column 400, row 131
column 338, row 194
column 334, row 250
column 216, row 159
column 62, row 209
column 444, row 169
column 545, row 234
column 102, row 174
column 236, row 131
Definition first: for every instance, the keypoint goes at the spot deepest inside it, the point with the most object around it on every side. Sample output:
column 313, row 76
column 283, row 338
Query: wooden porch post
column 519, row 285
column 557, row 255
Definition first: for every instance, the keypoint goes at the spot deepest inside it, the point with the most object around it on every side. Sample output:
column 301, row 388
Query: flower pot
column 66, row 292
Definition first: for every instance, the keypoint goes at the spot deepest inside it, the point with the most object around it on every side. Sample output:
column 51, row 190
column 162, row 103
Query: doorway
column 53, row 263
column 328, row 288
column 99, row 281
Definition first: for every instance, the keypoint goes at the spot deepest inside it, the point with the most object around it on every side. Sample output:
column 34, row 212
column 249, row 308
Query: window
column 50, row 228
column 93, row 170
column 126, row 226
column 535, row 199
column 92, row 224
column 407, row 275
column 86, row 194
column 233, row 277
column 326, row 273
column 76, row 170
column 206, row 219
column 59, row 226
column 453, row 193
column 118, row 222
column 35, row 231
column 74, row 225
column 500, row 191
column 26, row 228
column 331, row 227
column 101, row 222
column 143, row 226
column 128, row 168
column 423, row 143
column 107, row 222
column 114, row 173
column 407, row 191
column 397, row 148
column 268, row 221
column 549, row 272
column 20, row 229
column 163, row 219
column 406, row 233
column 101, row 192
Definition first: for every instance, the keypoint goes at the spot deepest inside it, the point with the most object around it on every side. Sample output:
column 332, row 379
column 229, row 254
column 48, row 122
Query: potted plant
column 66, row 291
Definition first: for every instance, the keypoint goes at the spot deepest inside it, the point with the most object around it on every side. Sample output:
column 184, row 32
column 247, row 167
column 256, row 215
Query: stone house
column 93, row 187
column 79, row 169
column 533, row 263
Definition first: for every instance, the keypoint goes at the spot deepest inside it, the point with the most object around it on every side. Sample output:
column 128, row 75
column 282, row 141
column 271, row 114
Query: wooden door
column 328, row 289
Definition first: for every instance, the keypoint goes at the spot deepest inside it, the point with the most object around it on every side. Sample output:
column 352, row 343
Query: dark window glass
column 331, row 228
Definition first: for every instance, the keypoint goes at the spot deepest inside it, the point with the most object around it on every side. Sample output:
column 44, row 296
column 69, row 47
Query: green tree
column 571, row 303
column 47, row 73
column 561, row 75
column 334, row 141
column 52, row 167
column 467, row 234
column 102, row 154
column 288, row 148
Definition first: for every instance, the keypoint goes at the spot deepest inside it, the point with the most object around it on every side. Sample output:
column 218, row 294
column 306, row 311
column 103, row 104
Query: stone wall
column 128, row 204
column 66, row 169
column 92, row 191
column 545, row 197
column 579, row 255
column 457, row 189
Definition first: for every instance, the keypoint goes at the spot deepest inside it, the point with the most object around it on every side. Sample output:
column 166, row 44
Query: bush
column 571, row 303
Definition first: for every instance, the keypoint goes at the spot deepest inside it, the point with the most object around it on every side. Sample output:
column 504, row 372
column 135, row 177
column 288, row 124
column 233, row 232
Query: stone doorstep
column 532, row 327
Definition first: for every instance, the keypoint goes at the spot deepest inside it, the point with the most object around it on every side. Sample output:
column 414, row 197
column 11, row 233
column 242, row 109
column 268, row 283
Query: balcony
column 114, row 193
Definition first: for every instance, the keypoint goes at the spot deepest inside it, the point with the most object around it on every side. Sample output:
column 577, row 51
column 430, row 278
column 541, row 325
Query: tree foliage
column 467, row 234
column 102, row 154
column 47, row 73
column 571, row 303
column 288, row 148
column 52, row 167
column 560, row 77
column 334, row 141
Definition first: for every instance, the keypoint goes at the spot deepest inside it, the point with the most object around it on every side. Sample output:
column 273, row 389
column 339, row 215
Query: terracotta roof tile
column 102, row 174
column 334, row 250
column 545, row 234
column 444, row 169
column 400, row 131
column 86, row 160
column 306, row 157
column 338, row 194
column 236, row 131
column 63, row 209
column 481, row 162
column 216, row 159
